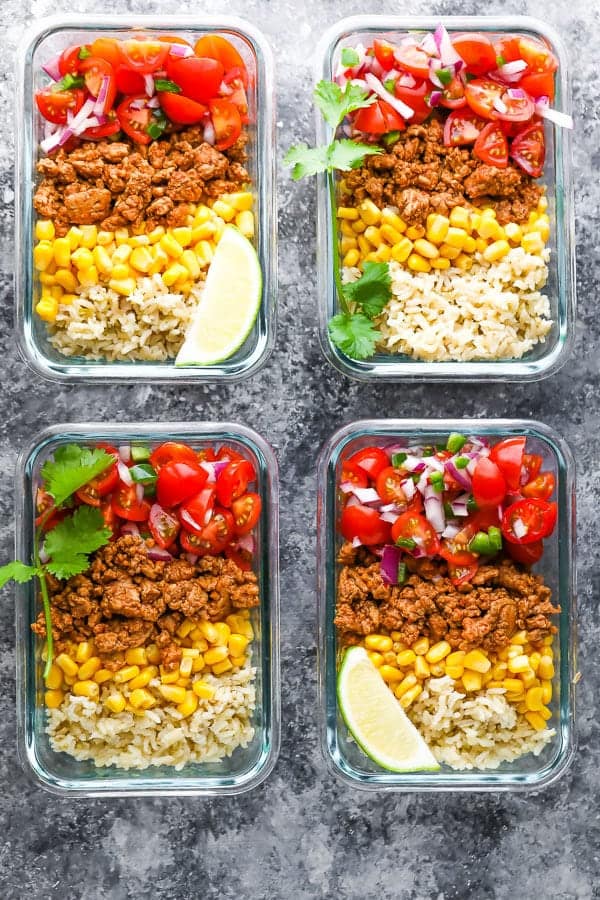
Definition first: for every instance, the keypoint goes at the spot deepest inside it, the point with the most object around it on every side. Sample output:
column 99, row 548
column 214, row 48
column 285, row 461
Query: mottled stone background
column 302, row 835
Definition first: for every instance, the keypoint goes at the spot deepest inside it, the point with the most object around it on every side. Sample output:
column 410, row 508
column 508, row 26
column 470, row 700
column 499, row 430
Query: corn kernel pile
column 217, row 648
column 87, row 256
column 369, row 234
column 524, row 673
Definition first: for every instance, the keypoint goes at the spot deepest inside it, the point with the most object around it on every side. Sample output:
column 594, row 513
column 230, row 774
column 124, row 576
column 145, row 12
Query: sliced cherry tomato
column 455, row 552
column 181, row 109
column 491, row 146
column 219, row 531
column 354, row 475
column 44, row 504
column 55, row 105
column 462, row 126
column 364, row 523
column 528, row 520
column 528, row 554
column 507, row 50
column 461, row 574
column 92, row 493
column 538, row 56
column 199, row 79
column 414, row 96
column 108, row 49
column 237, row 81
column 206, row 454
column 538, row 84
column 69, row 61
column 126, row 505
column 194, row 514
column 412, row 59
column 233, row 481
column 94, row 70
column 242, row 558
column 163, row 526
column 175, row 39
column 478, row 521
column 481, row 94
column 128, row 81
column 489, row 485
column 246, row 512
column 109, row 517
column 371, row 460
column 228, row 453
column 510, row 129
column 134, row 121
column 508, row 456
column 384, row 53
column 453, row 96
column 477, row 52
column 226, row 122
column 144, row 56
column 216, row 47
column 172, row 452
column 515, row 109
column 96, row 132
column 191, row 542
column 178, row 481
column 532, row 463
column 415, row 528
column 542, row 486
column 389, row 486
column 378, row 118
column 528, row 149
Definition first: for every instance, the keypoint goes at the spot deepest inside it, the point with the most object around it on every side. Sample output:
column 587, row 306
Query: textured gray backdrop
column 301, row 835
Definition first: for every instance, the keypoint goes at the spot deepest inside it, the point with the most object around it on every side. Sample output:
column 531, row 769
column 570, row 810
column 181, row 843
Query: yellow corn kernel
column 376, row 658
column 43, row 255
column 470, row 245
column 121, row 236
column 519, row 639
column 88, row 277
column 186, row 627
column 89, row 236
column 533, row 217
column 101, row 260
column 426, row 249
column 406, row 658
column 183, row 680
column 496, row 251
column 346, row 229
column 512, row 685
column 141, row 699
column 136, row 656
column 548, row 652
column 534, row 699
column 223, row 633
column 115, row 702
column 398, row 646
column 449, row 252
column 56, row 291
column 185, row 666
column 357, row 227
column 472, row 681
column 421, row 646
column 238, row 661
column 456, row 658
column 381, row 642
column 53, row 698
column 437, row 228
column 402, row 250
column 222, row 667
column 438, row 651
column 174, row 273
column 440, row 263
column 54, row 678
column 237, row 644
column 406, row 684
column 62, row 252
column 422, row 669
column 499, row 670
column 202, row 232
column 410, row 696
column 103, row 675
column 197, row 665
column 183, row 235
column 85, row 651
column 155, row 235
column 123, row 286
column 122, row 271
column 243, row 200
column 46, row 278
column 348, row 243
column 198, row 642
column 486, row 678
column 460, row 218
column 536, row 720
column 170, row 245
column 121, row 254
column 190, row 261
column 207, row 630
column 224, row 210
column 174, row 693
column 481, row 244
column 415, row 232
column 70, row 681
column 514, row 651
column 47, row 308
column 215, row 655
column 390, row 673
column 369, row 213
column 390, row 234
column 352, row 258
column 245, row 222
column 546, row 669
column 489, row 229
column 141, row 259
column 455, row 671
column 86, row 689
column 534, row 661
column 190, row 652
column 153, row 654
column 542, row 204
column 44, row 230
column 66, row 279
column 364, row 245
column 168, row 677
column 74, row 235
column 513, row 232
column 68, row 665
column 89, row 668
column 189, row 705
column 204, row 252
column 532, row 243
column 438, row 669
column 143, row 679
column 545, row 713
column 546, row 691
column 528, row 678
column 126, row 674
column 416, row 263
column 67, row 299
column 104, row 238
column 346, row 212
column 373, row 235
column 477, row 661
column 391, row 218
column 517, row 664
column 457, row 237
column 203, row 690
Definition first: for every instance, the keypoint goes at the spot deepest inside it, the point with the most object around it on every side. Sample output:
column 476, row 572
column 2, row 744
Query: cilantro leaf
column 70, row 543
column 306, row 160
column 347, row 154
column 350, row 57
column 72, row 467
column 355, row 335
column 335, row 104
column 166, row 86
column 17, row 571
column 372, row 290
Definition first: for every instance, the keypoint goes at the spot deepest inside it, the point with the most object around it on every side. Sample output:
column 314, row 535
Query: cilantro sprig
column 67, row 546
column 353, row 330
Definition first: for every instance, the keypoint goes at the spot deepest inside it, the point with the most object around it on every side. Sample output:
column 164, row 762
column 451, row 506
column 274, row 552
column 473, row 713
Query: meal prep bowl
column 247, row 767
column 545, row 358
column 343, row 755
column 49, row 37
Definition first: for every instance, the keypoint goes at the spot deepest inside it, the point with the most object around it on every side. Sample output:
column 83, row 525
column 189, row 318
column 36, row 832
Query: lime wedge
column 376, row 720
column 229, row 304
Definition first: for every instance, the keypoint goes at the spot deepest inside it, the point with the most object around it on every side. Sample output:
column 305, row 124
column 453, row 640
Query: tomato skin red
column 527, row 554
column 69, row 61
column 516, row 110
column 163, row 526
column 538, row 56
column 538, row 84
column 481, row 94
column 94, row 69
column 219, row 531
column 537, row 516
column 226, row 122
column 415, row 98
column 508, row 456
column 488, row 483
column 453, row 95
column 97, row 132
column 55, row 105
column 491, row 146
column 191, row 542
column 371, row 460
column 128, row 81
column 477, row 52
column 246, row 512
column 364, row 523
column 528, row 149
column 507, row 49
column 135, row 122
column 532, row 463
column 379, row 118
column 92, row 493
column 411, row 526
column 462, row 127
column 542, row 486
column 353, row 475
column 228, row 453
column 384, row 53
column 108, row 49
column 456, row 553
column 389, row 486
column 180, row 109
column 178, row 482
column 126, row 505
column 142, row 56
column 195, row 513
column 242, row 558
column 109, row 517
column 412, row 59
column 199, row 79
column 216, row 47
column 461, row 574
column 171, row 451
column 233, row 481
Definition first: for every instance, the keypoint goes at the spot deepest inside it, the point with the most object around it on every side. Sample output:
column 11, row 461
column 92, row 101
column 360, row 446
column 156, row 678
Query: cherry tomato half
column 477, row 52
column 371, row 460
column 528, row 520
column 226, row 122
column 246, row 512
column 178, row 481
column 126, row 505
column 384, row 54
column 96, row 132
column 378, row 118
column 181, row 109
column 242, row 558
column 453, row 95
column 516, row 109
column 489, row 485
column 528, row 554
column 133, row 120
column 219, row 531
column 228, row 453
column 144, row 56
column 233, row 481
column 538, row 56
column 216, row 47
column 414, row 96
column 455, row 552
column 389, row 486
column 92, row 492
column 532, row 463
column 353, row 475
column 94, row 70
column 412, row 59
column 508, row 456
column 199, row 79
column 542, row 486
column 528, row 149
column 128, row 81
column 538, row 84
column 163, row 526
column 194, row 514
column 481, row 94
column 491, row 146
column 108, row 49
column 364, row 523
column 413, row 528
column 462, row 126
column 172, row 452
column 462, row 574
column 69, row 61
column 55, row 105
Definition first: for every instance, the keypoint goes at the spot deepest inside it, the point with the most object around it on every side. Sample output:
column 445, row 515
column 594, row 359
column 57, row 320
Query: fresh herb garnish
column 350, row 58
column 444, row 75
column 68, row 83
column 72, row 467
column 158, row 124
column 352, row 330
column 389, row 84
column 166, row 86
column 70, row 543
column 335, row 104
column 84, row 53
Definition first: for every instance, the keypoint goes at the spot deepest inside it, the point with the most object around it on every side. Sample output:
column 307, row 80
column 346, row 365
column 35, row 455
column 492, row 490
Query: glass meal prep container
column 246, row 767
column 546, row 356
column 342, row 753
column 46, row 39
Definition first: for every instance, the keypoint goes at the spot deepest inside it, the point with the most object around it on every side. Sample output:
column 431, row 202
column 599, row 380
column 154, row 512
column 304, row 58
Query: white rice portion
column 149, row 325
column 161, row 736
column 473, row 732
column 494, row 311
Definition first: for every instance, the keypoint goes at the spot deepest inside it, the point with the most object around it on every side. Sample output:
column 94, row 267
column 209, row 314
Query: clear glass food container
column 41, row 43
column 343, row 755
column 545, row 357
column 246, row 767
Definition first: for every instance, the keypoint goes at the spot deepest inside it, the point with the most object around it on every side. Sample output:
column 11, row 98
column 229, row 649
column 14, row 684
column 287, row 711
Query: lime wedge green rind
column 376, row 720
column 229, row 304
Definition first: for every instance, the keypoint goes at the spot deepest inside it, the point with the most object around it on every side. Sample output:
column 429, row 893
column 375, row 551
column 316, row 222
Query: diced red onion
column 389, row 517
column 57, row 139
column 139, row 492
column 225, row 90
column 377, row 87
column 188, row 520
column 375, row 66
column 51, row 69
column 138, row 103
column 395, row 448
column 512, row 68
column 517, row 94
column 208, row 516
column 219, row 465
column 99, row 105
column 130, row 528
column 247, row 542
column 434, row 99
column 209, row 133
column 519, row 528
column 153, row 103
column 78, row 122
column 192, row 558
column 356, row 542
column 346, row 487
column 472, row 465
column 428, row 45
column 390, row 560
column 124, row 453
column 347, row 129
column 366, row 495
column 157, row 554
column 422, row 483
column 478, row 441
column 434, row 509
column 407, row 80
column 210, row 469
column 408, row 488
column 124, row 473
column 92, row 122
column 445, row 47
column 499, row 105
column 432, row 462
column 413, row 464
column 460, row 506
column 390, row 507
column 418, row 552
column 451, row 530
column 182, row 50
column 459, row 475
column 149, row 85
column 353, row 501
column 553, row 115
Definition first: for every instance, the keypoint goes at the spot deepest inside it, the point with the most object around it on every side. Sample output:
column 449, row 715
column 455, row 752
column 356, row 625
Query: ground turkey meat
column 117, row 184
column 502, row 598
column 419, row 175
column 125, row 600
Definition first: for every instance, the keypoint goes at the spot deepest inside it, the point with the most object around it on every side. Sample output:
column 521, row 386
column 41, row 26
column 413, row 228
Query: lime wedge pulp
column 376, row 720
column 229, row 304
